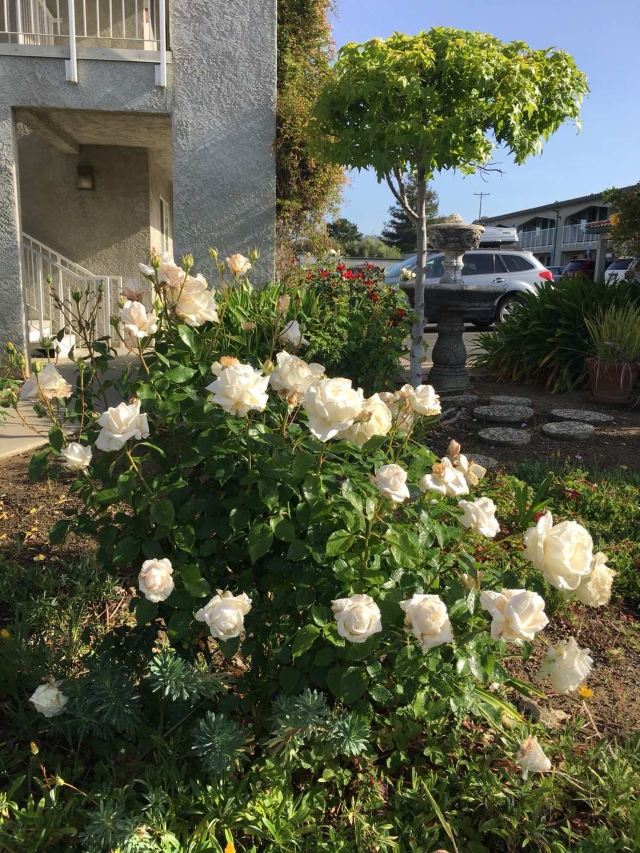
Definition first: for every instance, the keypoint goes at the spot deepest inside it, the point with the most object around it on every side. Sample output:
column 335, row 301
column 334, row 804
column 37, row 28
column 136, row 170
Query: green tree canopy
column 625, row 231
column 443, row 99
column 400, row 230
column 343, row 232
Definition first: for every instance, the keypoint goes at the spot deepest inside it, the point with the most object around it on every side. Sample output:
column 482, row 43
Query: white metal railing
column 117, row 24
column 572, row 234
column 44, row 272
column 537, row 239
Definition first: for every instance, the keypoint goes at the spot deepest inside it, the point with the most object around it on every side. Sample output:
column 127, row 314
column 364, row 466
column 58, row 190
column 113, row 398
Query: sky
column 604, row 39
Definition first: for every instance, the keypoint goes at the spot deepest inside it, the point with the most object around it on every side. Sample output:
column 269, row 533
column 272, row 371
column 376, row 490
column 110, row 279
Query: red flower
column 401, row 313
column 373, row 296
column 341, row 267
column 349, row 274
column 324, row 273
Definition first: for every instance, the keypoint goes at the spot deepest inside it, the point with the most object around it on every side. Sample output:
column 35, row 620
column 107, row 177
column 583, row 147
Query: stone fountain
column 453, row 237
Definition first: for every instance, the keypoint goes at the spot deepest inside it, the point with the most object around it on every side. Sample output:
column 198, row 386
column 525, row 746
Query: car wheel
column 506, row 306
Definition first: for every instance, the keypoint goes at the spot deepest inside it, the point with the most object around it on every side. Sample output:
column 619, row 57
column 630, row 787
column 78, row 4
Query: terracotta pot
column 612, row 382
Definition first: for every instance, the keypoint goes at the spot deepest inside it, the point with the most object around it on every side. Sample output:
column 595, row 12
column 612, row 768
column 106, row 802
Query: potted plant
column 613, row 368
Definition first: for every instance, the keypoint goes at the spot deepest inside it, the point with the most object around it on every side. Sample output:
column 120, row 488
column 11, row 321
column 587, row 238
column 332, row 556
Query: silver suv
column 493, row 282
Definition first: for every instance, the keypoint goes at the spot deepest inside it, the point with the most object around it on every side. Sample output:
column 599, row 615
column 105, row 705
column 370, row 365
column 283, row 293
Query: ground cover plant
column 298, row 626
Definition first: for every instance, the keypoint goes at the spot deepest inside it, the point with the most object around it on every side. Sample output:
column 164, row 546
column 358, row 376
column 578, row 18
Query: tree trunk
column 417, row 332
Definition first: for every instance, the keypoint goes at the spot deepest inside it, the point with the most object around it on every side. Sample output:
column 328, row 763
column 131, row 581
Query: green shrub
column 547, row 340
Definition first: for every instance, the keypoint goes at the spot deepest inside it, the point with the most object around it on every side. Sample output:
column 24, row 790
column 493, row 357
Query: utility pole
column 482, row 195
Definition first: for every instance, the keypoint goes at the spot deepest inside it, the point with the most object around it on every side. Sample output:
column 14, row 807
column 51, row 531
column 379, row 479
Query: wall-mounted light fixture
column 85, row 179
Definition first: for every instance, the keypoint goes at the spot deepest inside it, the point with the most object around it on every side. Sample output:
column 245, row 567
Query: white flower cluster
column 187, row 295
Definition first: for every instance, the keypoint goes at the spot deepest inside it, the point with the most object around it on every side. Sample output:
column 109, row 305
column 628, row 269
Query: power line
column 482, row 195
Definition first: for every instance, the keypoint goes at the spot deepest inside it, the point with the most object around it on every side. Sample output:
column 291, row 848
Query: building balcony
column 541, row 239
column 578, row 235
column 131, row 30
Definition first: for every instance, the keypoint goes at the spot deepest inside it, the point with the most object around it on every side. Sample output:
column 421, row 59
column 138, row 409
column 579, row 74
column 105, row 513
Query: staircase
column 45, row 271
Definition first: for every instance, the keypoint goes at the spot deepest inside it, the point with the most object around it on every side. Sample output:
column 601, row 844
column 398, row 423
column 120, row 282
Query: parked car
column 618, row 269
column 557, row 272
column 494, row 282
column 581, row 266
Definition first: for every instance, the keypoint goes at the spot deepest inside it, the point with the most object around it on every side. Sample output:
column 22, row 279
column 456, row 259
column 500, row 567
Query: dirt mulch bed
column 612, row 446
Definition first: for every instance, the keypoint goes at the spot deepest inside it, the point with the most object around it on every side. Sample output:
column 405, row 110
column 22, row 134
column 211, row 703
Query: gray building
column 127, row 125
column 558, row 232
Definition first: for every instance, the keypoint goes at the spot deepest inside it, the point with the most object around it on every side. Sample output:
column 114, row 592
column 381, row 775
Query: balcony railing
column 118, row 25
column 573, row 234
column 543, row 238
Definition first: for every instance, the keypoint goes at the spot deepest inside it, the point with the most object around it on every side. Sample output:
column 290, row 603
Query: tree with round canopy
column 438, row 100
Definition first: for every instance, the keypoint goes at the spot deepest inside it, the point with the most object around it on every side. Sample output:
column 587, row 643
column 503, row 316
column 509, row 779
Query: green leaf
column 193, row 581
column 297, row 551
column 283, row 529
column 349, row 685
column 38, row 463
column 179, row 625
column 339, row 542
column 259, row 541
column 146, row 611
column 56, row 438
column 304, row 639
column 380, row 694
column 126, row 550
column 186, row 335
column 163, row 513
column 179, row 374
column 59, row 531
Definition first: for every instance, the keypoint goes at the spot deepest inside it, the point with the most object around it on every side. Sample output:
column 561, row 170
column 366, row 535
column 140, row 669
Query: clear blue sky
column 604, row 38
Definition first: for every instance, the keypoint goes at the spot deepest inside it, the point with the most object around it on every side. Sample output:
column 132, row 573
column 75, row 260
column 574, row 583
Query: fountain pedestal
column 453, row 237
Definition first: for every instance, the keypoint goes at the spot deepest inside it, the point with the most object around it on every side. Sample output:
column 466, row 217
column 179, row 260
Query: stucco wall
column 160, row 186
column 105, row 230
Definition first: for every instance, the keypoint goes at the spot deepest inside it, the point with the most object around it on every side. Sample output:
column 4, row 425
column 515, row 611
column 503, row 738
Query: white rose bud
column 566, row 665
column 517, row 613
column 357, row 617
column 480, row 515
column 562, row 552
column 331, row 405
column 193, row 302
column 48, row 384
column 444, row 480
column 428, row 619
column 531, row 758
column 391, row 482
column 293, row 374
column 119, row 424
column 453, row 450
column 238, row 264
column 472, row 471
column 224, row 614
column 155, row 581
column 292, row 334
column 240, row 389
column 595, row 588
column 48, row 699
column 374, row 419
column 136, row 323
column 76, row 457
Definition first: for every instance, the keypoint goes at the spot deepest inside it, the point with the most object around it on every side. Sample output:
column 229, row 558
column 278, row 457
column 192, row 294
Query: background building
column 560, row 231
column 127, row 125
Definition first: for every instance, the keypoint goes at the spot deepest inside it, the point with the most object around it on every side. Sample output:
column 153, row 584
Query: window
column 620, row 264
column 165, row 225
column 516, row 263
column 434, row 268
column 478, row 264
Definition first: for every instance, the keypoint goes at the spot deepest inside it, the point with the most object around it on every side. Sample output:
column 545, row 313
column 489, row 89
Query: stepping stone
column 503, row 414
column 487, row 462
column 460, row 400
column 582, row 415
column 504, row 436
column 568, row 430
column 503, row 400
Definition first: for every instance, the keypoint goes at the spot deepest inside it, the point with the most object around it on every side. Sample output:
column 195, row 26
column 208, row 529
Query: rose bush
column 291, row 538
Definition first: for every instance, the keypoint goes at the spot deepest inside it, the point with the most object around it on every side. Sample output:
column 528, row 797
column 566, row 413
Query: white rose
column 357, row 617
column 168, row 271
column 331, row 405
column 566, row 665
column 595, row 588
column 239, row 389
column 193, row 302
column 238, row 264
column 391, row 482
column 48, row 384
column 48, row 699
column 562, row 552
column 517, row 613
column 374, row 419
column 224, row 614
column 531, row 757
column 75, row 456
column 403, row 415
column 293, row 374
column 472, row 471
column 423, row 399
column 155, row 581
column 136, row 323
column 444, row 480
column 119, row 424
column 427, row 617
column 480, row 515
column 292, row 334
column 407, row 274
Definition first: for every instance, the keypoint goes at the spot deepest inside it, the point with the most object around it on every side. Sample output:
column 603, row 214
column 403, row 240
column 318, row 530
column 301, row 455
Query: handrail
column 72, row 266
